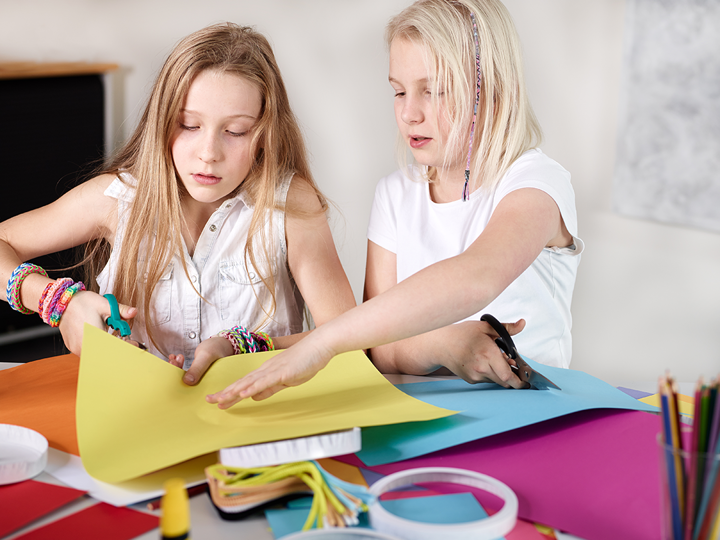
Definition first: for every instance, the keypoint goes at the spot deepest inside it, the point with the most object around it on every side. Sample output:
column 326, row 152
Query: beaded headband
column 466, row 192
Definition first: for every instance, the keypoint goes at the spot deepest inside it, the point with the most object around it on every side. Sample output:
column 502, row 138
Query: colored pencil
column 670, row 438
column 694, row 468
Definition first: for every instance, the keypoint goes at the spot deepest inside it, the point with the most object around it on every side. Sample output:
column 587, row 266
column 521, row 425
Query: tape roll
column 23, row 453
column 489, row 528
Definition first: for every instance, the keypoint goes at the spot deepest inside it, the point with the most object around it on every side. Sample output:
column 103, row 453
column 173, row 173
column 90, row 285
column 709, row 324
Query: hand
column 471, row 353
column 87, row 307
column 205, row 354
column 292, row 367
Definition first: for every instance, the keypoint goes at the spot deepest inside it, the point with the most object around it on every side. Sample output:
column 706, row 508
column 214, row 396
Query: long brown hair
column 153, row 233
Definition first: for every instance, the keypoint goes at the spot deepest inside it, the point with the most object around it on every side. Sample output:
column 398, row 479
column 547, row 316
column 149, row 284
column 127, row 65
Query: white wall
column 647, row 296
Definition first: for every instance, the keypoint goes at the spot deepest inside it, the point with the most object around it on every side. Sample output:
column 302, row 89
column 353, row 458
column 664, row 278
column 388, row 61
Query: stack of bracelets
column 54, row 299
column 244, row 341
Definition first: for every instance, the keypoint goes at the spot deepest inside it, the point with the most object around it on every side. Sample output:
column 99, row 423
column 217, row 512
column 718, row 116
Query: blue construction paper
column 452, row 508
column 488, row 409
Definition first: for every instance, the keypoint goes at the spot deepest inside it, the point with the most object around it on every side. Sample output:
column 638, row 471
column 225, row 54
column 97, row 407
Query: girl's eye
column 189, row 128
column 236, row 134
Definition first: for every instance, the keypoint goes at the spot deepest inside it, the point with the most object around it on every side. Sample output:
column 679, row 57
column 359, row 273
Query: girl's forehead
column 223, row 92
column 409, row 61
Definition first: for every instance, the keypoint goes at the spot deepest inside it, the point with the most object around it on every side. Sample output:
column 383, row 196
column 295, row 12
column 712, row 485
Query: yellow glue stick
column 175, row 517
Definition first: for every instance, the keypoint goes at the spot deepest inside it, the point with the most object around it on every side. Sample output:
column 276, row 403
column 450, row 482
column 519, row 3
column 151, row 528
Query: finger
column 197, row 369
column 252, row 384
column 177, row 360
column 505, row 376
column 127, row 312
column 269, row 392
column 516, row 327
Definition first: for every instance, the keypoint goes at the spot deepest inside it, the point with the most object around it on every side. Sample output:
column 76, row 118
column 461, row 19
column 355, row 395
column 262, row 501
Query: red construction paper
column 100, row 521
column 24, row 502
column 593, row 473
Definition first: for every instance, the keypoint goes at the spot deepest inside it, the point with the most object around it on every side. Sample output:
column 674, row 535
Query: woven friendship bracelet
column 63, row 302
column 48, row 296
column 243, row 341
column 225, row 334
column 55, row 299
column 12, row 292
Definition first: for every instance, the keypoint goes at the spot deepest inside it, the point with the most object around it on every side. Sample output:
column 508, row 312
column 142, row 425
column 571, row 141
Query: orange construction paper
column 343, row 471
column 40, row 395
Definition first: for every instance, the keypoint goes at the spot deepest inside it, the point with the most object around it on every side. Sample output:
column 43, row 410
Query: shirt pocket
column 240, row 290
column 161, row 306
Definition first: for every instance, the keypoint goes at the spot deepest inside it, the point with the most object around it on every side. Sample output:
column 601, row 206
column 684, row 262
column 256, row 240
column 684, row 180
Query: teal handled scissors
column 120, row 327
column 522, row 369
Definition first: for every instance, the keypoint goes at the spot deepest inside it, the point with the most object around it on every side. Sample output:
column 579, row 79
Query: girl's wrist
column 15, row 285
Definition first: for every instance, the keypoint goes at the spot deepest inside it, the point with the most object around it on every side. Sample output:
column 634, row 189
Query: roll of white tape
column 23, row 453
column 490, row 528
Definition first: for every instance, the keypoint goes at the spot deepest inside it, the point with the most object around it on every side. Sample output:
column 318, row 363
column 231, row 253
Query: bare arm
column 524, row 223
column 81, row 215
column 466, row 349
column 315, row 267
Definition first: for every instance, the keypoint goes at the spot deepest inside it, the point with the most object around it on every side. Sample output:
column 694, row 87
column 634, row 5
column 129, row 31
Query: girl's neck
column 447, row 185
column 196, row 216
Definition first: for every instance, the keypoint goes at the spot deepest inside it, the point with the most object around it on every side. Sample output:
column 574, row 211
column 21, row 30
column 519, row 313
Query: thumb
column 197, row 369
column 127, row 312
column 516, row 327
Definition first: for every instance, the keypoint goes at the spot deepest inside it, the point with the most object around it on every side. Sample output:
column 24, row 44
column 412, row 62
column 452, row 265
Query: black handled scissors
column 523, row 370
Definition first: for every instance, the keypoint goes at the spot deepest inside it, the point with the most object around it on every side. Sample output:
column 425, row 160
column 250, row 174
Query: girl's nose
column 210, row 150
column 411, row 112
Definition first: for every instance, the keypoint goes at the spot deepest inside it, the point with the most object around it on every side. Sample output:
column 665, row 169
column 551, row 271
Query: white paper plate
column 23, row 453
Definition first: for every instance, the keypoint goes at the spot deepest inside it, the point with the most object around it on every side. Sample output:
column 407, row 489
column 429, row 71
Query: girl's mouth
column 419, row 142
column 206, row 179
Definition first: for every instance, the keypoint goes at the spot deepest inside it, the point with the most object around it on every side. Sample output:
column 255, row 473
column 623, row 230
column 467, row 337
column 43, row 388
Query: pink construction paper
column 594, row 473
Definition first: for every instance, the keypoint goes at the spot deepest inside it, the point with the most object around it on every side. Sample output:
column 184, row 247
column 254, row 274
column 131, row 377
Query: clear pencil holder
column 689, row 493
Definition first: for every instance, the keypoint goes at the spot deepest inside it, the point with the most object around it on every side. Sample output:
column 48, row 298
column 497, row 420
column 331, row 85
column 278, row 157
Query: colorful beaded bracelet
column 12, row 292
column 55, row 299
column 243, row 341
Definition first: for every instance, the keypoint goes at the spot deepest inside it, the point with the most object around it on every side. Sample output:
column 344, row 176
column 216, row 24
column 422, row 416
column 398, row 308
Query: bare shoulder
column 303, row 197
column 90, row 200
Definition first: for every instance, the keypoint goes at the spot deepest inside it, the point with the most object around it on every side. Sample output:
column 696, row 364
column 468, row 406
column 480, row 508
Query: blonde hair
column 153, row 233
column 506, row 125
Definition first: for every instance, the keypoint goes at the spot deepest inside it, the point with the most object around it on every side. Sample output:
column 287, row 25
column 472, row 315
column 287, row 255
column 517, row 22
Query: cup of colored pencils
column 690, row 463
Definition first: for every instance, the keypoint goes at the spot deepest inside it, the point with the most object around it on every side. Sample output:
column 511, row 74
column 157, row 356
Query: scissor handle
column 114, row 320
column 505, row 342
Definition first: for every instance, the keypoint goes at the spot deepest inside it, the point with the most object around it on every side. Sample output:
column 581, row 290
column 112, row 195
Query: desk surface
column 204, row 518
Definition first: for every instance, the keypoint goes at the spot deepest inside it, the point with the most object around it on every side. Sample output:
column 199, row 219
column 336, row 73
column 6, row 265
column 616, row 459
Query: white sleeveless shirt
column 232, row 293
column 405, row 220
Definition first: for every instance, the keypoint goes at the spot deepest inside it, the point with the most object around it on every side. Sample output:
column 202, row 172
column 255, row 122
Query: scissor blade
column 540, row 381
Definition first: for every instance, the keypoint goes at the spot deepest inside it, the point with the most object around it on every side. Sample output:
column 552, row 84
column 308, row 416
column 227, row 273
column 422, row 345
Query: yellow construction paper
column 135, row 415
column 686, row 404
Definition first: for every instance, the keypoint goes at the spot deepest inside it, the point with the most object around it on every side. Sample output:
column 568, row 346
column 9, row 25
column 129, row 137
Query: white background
column 647, row 296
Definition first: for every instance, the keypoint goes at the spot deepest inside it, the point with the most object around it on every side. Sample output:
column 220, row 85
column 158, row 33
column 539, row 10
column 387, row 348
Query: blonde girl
column 482, row 221
column 206, row 219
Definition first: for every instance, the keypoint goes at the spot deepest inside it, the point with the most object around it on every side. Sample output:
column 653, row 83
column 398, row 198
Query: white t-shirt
column 405, row 221
column 233, row 293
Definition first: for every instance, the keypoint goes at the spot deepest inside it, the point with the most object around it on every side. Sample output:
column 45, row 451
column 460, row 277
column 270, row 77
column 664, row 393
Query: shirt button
column 193, row 279
column 252, row 275
column 213, row 228
column 228, row 205
column 192, row 335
